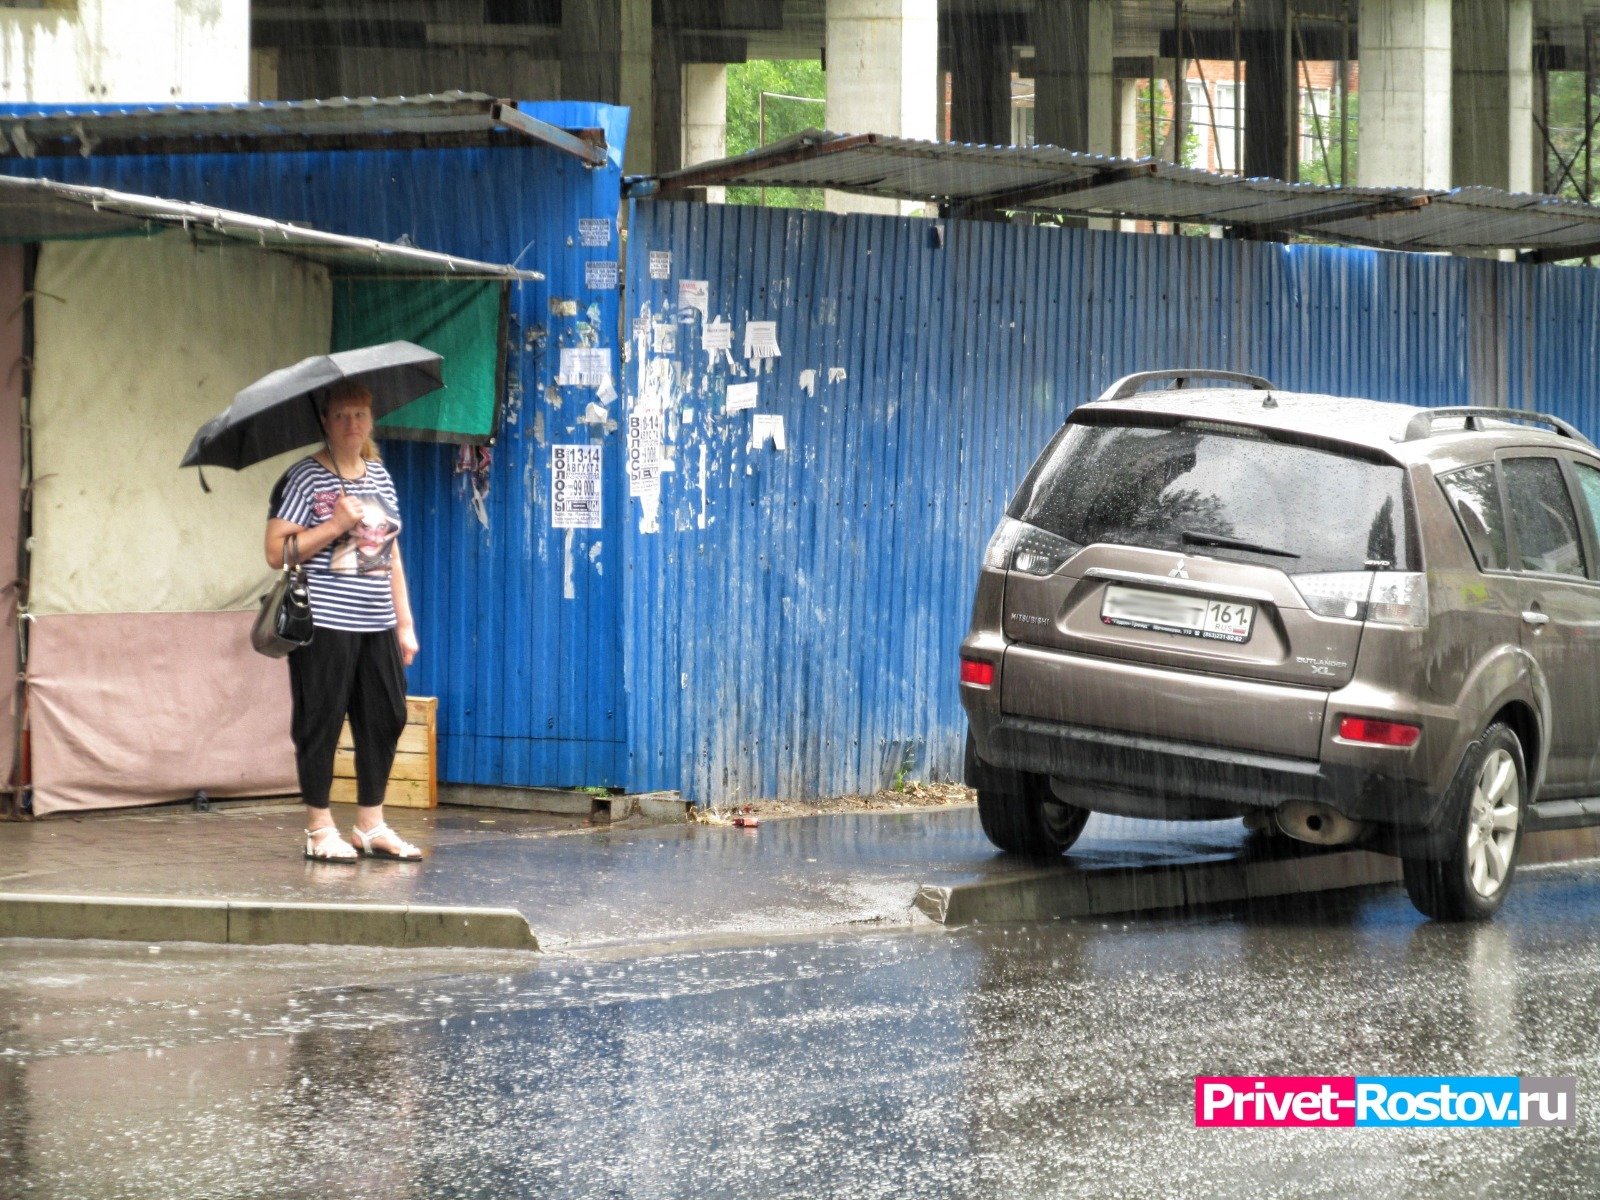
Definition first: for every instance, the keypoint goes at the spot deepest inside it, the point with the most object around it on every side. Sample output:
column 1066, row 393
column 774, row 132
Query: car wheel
column 1488, row 805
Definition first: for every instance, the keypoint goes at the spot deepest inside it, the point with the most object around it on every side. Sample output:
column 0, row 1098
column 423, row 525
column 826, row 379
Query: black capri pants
column 338, row 674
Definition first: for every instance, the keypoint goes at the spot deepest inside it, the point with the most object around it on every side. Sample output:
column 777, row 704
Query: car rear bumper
column 1143, row 776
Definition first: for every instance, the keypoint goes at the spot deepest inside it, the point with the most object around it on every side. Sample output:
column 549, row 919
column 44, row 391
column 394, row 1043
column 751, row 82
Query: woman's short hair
column 345, row 389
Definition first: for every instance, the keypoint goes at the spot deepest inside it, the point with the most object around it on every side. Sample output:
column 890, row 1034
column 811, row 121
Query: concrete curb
column 263, row 922
column 1064, row 891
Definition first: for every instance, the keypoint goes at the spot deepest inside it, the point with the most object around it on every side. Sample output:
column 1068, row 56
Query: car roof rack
column 1180, row 376
column 1421, row 425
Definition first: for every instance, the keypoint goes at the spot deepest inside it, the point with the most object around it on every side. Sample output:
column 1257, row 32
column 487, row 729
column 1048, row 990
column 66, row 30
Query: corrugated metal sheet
column 35, row 210
column 1052, row 180
column 793, row 626
column 518, row 625
column 286, row 124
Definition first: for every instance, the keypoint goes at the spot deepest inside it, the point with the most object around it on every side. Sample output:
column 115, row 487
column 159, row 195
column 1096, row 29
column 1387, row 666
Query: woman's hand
column 349, row 512
column 409, row 648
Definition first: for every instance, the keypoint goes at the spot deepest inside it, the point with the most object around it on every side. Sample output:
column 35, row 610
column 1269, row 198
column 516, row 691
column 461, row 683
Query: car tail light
column 1379, row 733
column 977, row 672
column 1018, row 546
column 1387, row 597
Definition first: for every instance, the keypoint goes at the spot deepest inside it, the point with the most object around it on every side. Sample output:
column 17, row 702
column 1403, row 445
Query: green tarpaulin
column 462, row 320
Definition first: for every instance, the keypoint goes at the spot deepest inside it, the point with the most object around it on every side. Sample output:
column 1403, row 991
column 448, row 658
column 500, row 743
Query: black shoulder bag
column 284, row 623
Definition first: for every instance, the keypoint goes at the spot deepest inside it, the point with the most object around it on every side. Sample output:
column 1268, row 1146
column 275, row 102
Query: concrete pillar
column 606, row 56
column 980, row 81
column 1405, row 93
column 1073, row 65
column 154, row 52
column 1491, row 81
column 882, row 56
column 1126, row 144
column 1271, row 111
column 705, row 118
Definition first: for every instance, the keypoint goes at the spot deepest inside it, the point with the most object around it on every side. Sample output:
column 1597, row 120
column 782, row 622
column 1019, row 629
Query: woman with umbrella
column 339, row 506
column 336, row 512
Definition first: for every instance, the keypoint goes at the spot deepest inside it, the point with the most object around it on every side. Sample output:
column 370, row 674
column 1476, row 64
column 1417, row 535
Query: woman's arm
column 405, row 628
column 346, row 516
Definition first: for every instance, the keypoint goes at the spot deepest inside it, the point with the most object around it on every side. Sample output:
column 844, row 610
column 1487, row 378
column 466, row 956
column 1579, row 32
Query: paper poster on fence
column 661, row 264
column 693, row 294
column 594, row 231
column 575, row 486
column 761, row 340
column 600, row 275
column 645, row 431
column 741, row 396
column 584, row 366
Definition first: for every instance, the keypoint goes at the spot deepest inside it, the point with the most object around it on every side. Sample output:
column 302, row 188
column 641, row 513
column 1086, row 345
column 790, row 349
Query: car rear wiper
column 1192, row 538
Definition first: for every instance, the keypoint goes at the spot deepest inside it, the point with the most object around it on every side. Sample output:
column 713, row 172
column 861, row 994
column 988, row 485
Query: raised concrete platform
column 263, row 923
column 1277, row 868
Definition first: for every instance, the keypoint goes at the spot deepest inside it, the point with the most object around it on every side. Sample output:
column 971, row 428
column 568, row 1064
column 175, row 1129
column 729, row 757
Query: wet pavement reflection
column 1017, row 1060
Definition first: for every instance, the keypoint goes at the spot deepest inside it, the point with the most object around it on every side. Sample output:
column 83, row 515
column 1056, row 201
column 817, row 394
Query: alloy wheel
column 1492, row 823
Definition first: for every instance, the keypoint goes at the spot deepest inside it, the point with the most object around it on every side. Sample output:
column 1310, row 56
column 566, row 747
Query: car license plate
column 1176, row 612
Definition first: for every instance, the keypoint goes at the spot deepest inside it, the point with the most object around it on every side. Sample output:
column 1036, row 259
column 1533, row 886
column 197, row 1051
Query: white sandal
column 319, row 849
column 363, row 839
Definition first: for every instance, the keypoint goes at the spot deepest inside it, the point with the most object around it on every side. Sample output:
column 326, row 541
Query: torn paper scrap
column 660, row 264
column 761, row 339
column 561, row 307
column 663, row 338
column 741, row 396
column 836, row 375
column 767, row 427
column 693, row 294
column 808, row 382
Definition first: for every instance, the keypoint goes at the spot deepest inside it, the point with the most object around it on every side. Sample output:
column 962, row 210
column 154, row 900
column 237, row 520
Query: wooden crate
column 414, row 778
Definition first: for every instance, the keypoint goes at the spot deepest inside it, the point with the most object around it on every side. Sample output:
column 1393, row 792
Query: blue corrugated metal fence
column 793, row 616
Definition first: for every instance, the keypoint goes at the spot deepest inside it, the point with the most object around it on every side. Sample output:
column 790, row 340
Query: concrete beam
column 980, row 82
column 705, row 118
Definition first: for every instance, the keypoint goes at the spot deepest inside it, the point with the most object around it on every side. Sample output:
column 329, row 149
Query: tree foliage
column 786, row 77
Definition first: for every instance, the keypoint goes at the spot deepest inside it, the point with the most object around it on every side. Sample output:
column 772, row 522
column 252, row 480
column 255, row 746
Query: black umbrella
column 278, row 412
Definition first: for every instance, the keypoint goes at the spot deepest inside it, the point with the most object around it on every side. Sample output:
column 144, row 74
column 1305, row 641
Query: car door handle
column 1536, row 619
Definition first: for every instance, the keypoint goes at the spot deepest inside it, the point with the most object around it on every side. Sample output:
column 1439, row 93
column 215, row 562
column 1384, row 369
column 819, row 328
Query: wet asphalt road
column 1052, row 1060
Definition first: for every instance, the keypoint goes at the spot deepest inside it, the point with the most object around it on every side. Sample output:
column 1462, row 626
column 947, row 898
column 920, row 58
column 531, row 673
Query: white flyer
column 716, row 336
column 644, row 452
column 694, row 293
column 600, row 275
column 663, row 338
column 575, row 486
column 660, row 264
column 767, row 427
column 584, row 366
column 761, row 340
column 741, row 396
column 594, row 231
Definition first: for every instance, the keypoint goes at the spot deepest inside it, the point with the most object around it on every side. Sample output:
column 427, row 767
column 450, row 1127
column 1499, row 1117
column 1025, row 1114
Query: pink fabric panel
column 11, row 378
column 139, row 708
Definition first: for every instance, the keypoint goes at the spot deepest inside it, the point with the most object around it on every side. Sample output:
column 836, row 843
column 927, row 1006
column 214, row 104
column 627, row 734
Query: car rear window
column 1172, row 487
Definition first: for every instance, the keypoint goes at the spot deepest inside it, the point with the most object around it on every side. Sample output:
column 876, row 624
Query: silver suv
column 1359, row 622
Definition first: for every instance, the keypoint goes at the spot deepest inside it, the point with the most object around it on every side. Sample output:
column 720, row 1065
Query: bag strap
column 291, row 552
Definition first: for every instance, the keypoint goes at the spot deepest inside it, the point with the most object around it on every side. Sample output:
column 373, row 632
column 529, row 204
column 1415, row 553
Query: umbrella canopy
column 278, row 412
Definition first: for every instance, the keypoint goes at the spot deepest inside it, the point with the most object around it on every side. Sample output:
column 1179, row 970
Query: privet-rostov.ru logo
column 1395, row 1100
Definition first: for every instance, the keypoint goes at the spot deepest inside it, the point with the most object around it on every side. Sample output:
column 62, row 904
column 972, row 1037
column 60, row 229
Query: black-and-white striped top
column 350, row 581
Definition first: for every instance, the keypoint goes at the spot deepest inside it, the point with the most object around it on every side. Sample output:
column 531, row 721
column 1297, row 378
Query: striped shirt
column 350, row 581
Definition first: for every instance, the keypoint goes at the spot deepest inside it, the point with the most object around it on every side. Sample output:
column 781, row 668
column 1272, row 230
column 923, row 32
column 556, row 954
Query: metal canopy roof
column 447, row 119
column 963, row 179
column 39, row 210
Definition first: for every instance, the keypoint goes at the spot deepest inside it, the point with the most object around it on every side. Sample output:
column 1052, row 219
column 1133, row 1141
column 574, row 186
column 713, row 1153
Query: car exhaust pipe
column 1317, row 823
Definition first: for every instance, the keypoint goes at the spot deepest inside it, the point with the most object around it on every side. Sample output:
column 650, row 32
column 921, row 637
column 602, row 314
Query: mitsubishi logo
column 1177, row 571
